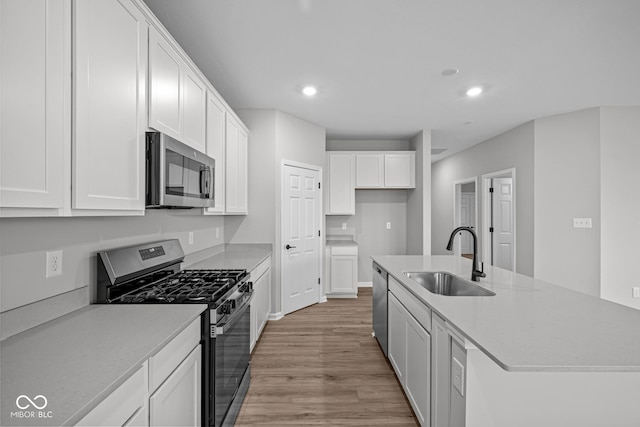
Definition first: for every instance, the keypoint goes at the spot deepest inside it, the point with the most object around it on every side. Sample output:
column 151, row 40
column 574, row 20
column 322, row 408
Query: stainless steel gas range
column 151, row 274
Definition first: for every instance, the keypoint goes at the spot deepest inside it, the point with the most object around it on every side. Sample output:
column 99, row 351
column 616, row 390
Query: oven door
column 231, row 359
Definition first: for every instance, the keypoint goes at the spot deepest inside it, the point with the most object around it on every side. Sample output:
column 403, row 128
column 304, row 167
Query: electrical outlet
column 344, row 225
column 635, row 292
column 457, row 374
column 191, row 237
column 388, row 226
column 582, row 223
column 54, row 264
column 217, row 232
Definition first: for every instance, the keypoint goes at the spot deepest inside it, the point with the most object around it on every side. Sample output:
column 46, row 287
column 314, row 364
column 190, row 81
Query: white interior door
column 467, row 218
column 502, row 206
column 301, row 256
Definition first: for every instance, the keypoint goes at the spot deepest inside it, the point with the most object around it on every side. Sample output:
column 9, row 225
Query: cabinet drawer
column 257, row 272
column 123, row 406
column 344, row 250
column 421, row 312
column 162, row 364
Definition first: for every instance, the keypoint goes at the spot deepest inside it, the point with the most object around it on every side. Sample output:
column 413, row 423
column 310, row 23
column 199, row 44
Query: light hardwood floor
column 321, row 366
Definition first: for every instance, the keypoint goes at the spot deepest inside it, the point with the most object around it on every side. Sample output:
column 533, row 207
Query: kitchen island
column 537, row 354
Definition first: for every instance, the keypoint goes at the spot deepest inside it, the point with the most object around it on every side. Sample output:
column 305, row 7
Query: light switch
column 457, row 376
column 344, row 225
column 635, row 292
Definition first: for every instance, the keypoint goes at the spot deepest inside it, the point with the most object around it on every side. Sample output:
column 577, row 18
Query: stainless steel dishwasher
column 380, row 298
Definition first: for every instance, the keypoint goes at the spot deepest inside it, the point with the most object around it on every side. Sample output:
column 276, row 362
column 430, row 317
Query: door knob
column 289, row 246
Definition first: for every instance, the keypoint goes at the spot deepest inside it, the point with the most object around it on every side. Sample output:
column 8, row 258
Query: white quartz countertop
column 530, row 325
column 77, row 360
column 340, row 242
column 236, row 255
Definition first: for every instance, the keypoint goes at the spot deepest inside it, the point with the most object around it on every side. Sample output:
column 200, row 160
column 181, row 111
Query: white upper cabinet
column 340, row 185
column 400, row 170
column 165, row 88
column 216, row 136
column 35, row 66
column 178, row 96
column 386, row 169
column 110, row 42
column 237, row 139
column 370, row 170
column 194, row 111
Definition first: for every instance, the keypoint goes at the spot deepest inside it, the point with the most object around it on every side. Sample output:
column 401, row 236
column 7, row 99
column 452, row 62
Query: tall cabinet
column 110, row 76
column 34, row 110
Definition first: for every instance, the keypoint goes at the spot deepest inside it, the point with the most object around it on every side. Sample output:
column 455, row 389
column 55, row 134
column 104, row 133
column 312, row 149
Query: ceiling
column 378, row 63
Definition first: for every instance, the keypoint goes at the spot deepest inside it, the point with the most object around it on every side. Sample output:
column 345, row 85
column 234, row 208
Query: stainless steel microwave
column 177, row 176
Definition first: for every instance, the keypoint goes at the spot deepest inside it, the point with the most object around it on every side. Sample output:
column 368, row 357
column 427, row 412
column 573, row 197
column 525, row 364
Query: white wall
column 512, row 149
column 25, row 241
column 620, row 203
column 419, row 199
column 374, row 208
column 567, row 186
column 274, row 136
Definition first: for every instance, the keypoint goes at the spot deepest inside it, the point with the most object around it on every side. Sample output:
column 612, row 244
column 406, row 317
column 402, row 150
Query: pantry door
column 301, row 244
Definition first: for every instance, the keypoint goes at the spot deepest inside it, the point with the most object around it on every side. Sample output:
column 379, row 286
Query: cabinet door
column 110, row 104
column 216, row 116
column 341, row 189
column 194, row 111
column 236, row 167
column 397, row 337
column 399, row 170
column 440, row 369
column 126, row 406
column 177, row 401
column 35, row 67
column 417, row 376
column 266, row 302
column 165, row 86
column 343, row 274
column 369, row 170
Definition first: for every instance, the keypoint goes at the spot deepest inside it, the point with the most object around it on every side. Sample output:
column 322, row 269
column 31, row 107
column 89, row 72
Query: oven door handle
column 224, row 328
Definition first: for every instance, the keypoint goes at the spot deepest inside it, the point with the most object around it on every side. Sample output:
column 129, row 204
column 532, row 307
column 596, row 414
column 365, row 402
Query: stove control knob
column 226, row 308
column 232, row 303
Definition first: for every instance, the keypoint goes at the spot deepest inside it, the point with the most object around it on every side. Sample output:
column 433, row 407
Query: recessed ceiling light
column 474, row 91
column 450, row 72
column 309, row 90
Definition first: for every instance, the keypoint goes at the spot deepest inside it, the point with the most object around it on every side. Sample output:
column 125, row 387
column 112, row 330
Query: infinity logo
column 33, row 403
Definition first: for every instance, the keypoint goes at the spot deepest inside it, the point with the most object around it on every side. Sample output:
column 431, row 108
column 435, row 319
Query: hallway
column 321, row 366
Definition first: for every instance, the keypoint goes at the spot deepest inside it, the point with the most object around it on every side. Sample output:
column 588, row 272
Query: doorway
column 465, row 213
column 301, row 245
column 499, row 219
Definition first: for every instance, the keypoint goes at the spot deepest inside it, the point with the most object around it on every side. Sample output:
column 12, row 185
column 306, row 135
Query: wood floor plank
column 320, row 366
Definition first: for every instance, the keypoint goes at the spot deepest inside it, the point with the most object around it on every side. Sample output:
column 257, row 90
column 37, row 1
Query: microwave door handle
column 203, row 179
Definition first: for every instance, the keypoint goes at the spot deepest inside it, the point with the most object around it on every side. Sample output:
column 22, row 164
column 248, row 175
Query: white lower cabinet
column 126, row 406
column 177, row 402
column 343, row 271
column 165, row 391
column 261, row 302
column 410, row 351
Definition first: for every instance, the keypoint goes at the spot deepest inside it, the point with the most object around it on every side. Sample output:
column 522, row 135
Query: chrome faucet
column 475, row 273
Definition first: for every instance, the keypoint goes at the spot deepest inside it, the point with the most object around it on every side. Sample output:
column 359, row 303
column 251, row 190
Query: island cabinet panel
column 110, row 104
column 34, row 82
column 340, row 186
column 410, row 356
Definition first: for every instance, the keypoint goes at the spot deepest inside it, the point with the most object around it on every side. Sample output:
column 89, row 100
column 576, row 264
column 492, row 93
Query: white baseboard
column 365, row 284
column 276, row 316
column 323, row 299
column 342, row 295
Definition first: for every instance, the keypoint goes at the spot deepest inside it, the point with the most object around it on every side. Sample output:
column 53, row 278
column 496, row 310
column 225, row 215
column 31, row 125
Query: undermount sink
column 442, row 283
